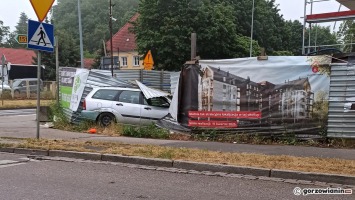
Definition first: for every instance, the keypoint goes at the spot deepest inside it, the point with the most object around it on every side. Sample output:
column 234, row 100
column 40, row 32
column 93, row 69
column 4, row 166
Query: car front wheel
column 106, row 119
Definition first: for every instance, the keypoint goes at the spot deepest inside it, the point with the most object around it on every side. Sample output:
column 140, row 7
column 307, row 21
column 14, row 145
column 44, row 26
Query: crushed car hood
column 150, row 92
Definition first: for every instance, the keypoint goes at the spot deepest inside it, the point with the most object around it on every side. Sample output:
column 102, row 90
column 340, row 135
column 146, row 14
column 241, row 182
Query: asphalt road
column 75, row 180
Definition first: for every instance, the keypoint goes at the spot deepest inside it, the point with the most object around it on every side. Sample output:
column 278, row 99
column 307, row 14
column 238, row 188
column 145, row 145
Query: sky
column 10, row 11
column 291, row 9
column 294, row 9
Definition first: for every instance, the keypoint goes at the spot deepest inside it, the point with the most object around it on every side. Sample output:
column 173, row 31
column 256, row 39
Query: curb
column 188, row 165
column 311, row 176
column 75, row 154
column 31, row 152
column 221, row 168
column 137, row 160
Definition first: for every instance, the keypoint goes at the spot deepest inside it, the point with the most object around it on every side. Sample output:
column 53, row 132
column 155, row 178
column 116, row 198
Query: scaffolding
column 312, row 18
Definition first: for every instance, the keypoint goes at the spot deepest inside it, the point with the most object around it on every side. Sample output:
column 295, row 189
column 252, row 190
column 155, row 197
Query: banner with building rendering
column 278, row 92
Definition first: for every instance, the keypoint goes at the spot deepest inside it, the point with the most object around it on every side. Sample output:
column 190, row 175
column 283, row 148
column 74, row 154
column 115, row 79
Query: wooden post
column 193, row 45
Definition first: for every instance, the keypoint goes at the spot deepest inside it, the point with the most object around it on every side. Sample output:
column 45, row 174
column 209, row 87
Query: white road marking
column 11, row 165
column 5, row 162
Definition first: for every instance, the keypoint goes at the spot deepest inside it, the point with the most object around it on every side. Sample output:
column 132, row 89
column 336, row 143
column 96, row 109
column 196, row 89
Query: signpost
column 3, row 60
column 21, row 39
column 148, row 61
column 40, row 37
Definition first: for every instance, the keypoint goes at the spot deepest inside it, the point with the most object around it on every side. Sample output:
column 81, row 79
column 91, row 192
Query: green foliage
column 291, row 37
column 346, row 35
column 95, row 19
column 150, row 131
column 4, row 31
column 20, row 28
column 97, row 61
column 57, row 115
column 320, row 35
column 282, row 53
column 165, row 27
column 88, row 55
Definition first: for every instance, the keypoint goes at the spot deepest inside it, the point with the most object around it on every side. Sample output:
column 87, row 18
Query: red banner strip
column 226, row 124
column 225, row 114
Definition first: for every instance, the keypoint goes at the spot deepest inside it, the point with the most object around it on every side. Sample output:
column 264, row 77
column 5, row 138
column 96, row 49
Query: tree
column 20, row 28
column 4, row 31
column 95, row 19
column 291, row 38
column 165, row 28
column 346, row 35
column 219, row 39
column 320, row 35
column 268, row 22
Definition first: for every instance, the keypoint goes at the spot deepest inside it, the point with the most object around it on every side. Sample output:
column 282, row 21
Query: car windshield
column 16, row 83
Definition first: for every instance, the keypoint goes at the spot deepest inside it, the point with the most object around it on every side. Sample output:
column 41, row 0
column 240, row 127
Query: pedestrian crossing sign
column 40, row 36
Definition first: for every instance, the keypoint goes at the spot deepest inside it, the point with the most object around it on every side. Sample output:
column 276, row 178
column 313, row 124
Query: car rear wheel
column 105, row 119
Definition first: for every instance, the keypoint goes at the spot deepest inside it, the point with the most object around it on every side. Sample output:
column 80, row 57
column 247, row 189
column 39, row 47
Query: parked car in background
column 4, row 87
column 123, row 105
column 20, row 85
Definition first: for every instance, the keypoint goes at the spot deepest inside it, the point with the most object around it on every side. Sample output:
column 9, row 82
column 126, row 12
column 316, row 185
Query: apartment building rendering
column 290, row 101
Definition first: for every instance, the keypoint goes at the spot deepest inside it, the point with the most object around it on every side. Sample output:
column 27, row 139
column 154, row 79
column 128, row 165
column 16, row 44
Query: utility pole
column 3, row 60
column 304, row 27
column 111, row 53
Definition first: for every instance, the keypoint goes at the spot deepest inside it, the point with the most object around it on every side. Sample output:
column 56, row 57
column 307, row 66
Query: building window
column 136, row 60
column 224, row 86
column 124, row 61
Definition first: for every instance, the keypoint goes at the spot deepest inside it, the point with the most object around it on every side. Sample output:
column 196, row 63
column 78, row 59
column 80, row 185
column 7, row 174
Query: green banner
column 65, row 93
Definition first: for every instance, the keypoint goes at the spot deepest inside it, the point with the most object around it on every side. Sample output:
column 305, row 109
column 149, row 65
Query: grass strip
column 304, row 164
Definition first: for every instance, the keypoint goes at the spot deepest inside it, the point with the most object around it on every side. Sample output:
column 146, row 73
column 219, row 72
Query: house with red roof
column 21, row 63
column 125, row 48
column 18, row 56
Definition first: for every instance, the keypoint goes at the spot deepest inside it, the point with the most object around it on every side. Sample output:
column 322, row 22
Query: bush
column 57, row 115
column 150, row 131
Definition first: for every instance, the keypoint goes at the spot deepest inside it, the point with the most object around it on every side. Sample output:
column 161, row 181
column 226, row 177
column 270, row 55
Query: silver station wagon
column 123, row 105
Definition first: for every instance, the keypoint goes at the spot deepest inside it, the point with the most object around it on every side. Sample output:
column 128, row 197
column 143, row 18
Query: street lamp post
column 81, row 37
column 252, row 29
column 111, row 45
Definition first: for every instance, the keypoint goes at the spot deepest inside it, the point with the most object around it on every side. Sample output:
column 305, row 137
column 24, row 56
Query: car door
column 154, row 109
column 33, row 86
column 102, row 99
column 128, row 105
column 22, row 87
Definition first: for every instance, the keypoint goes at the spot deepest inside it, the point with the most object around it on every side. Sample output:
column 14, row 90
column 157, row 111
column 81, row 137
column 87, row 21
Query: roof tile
column 124, row 40
column 18, row 56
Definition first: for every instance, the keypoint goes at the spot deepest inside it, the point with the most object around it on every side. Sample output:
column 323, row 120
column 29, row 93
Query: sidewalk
column 300, row 151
